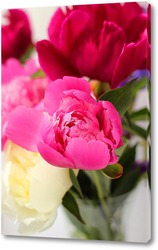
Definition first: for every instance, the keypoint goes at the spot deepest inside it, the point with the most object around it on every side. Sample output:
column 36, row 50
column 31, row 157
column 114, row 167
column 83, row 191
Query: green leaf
column 135, row 129
column 114, row 171
column 140, row 115
column 123, row 97
column 69, row 202
column 27, row 54
column 129, row 182
column 88, row 190
column 149, row 129
column 38, row 74
column 131, row 175
column 126, row 160
column 75, row 182
column 119, row 151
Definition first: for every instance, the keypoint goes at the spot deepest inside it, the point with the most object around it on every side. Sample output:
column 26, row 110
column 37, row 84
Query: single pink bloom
column 93, row 47
column 75, row 131
column 16, row 34
column 18, row 88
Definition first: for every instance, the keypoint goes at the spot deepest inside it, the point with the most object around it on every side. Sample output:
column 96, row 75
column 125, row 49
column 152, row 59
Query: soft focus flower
column 32, row 189
column 18, row 88
column 97, row 46
column 16, row 34
column 75, row 131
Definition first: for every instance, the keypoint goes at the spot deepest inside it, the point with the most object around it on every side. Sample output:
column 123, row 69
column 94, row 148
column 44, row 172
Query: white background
column 31, row 243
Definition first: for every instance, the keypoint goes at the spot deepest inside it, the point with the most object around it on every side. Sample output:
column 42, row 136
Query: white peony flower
column 32, row 189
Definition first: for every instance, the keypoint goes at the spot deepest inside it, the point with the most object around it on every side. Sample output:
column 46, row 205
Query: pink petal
column 116, row 127
column 31, row 66
column 54, row 92
column 134, row 35
column 117, row 13
column 53, row 157
column 52, row 62
column 134, row 56
column 55, row 26
column 96, row 13
column 90, row 155
column 71, row 30
column 11, row 69
column 97, row 55
column 132, row 9
column 22, row 127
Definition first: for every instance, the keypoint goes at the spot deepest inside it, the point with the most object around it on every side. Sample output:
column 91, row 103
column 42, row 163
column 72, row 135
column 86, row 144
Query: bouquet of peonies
column 71, row 129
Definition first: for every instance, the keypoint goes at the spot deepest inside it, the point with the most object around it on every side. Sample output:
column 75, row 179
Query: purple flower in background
column 143, row 166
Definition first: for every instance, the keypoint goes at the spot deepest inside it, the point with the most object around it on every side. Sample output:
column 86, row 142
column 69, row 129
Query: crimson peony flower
column 74, row 131
column 106, row 42
column 16, row 34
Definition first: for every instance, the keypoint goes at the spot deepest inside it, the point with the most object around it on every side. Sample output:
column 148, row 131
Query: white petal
column 48, row 186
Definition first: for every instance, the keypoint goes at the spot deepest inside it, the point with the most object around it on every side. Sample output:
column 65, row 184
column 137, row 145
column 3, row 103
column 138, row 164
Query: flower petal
column 134, row 56
column 55, row 26
column 48, row 186
column 52, row 62
column 96, row 13
column 90, row 155
column 71, row 30
column 55, row 90
column 134, row 35
column 34, row 225
column 53, row 157
column 22, row 127
column 97, row 55
column 116, row 126
column 16, row 36
column 12, row 68
column 117, row 12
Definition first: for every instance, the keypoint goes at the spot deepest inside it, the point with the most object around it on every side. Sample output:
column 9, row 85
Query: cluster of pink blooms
column 56, row 115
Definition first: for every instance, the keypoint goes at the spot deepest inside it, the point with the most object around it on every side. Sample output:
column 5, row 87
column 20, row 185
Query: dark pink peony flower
column 16, row 34
column 18, row 88
column 75, row 131
column 90, row 40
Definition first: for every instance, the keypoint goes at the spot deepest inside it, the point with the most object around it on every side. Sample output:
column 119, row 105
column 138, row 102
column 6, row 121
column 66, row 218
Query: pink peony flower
column 18, row 88
column 75, row 131
column 94, row 46
column 16, row 34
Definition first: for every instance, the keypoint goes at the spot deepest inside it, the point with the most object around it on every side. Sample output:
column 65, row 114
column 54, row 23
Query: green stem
column 102, row 202
column 100, row 194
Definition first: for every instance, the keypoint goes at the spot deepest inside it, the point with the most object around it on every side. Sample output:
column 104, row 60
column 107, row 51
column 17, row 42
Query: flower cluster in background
column 16, row 35
column 68, row 115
